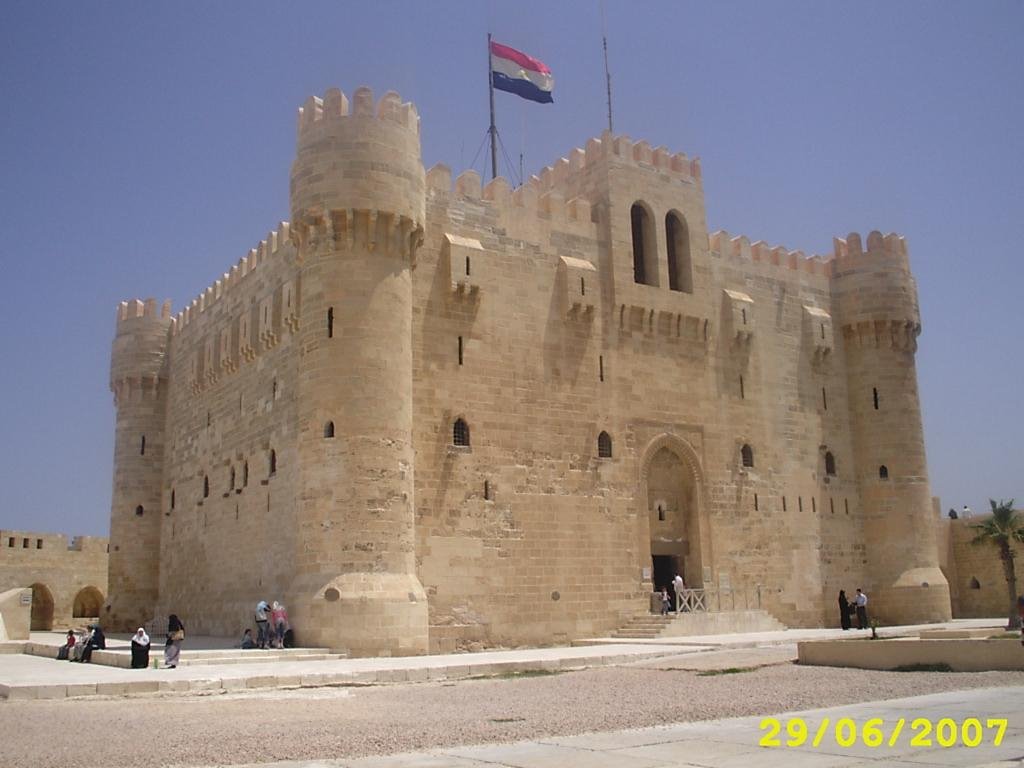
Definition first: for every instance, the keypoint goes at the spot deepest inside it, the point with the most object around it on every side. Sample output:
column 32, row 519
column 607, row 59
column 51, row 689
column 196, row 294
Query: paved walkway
column 35, row 677
column 734, row 743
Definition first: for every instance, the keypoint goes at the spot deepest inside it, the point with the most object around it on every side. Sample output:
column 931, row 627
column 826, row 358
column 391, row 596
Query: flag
column 523, row 75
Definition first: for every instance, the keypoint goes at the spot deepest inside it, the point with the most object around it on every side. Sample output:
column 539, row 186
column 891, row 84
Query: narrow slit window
column 273, row 461
column 756, row 508
column 846, row 505
column 814, row 504
column 747, row 456
column 824, row 400
column 231, row 487
column 245, row 474
column 206, row 486
column 743, row 394
column 783, row 503
column 172, row 499
column 467, row 267
column 800, row 503
column 461, row 353
column 830, row 464
column 874, row 396
column 600, row 367
column 460, row 433
column 831, row 505
column 142, row 446
column 743, row 314
column 330, row 322
column 487, row 490
column 604, row 446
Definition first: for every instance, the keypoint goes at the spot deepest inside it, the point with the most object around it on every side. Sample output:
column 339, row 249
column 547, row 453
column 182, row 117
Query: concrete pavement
column 734, row 743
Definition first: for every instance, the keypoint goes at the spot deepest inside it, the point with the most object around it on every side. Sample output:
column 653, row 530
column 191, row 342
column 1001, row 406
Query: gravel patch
column 333, row 723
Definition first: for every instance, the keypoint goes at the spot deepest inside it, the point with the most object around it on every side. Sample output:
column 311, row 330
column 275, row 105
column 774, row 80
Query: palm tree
column 1003, row 529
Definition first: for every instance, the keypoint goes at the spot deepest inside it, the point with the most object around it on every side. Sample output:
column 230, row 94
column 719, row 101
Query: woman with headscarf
column 844, row 610
column 279, row 622
column 175, row 636
column 140, row 649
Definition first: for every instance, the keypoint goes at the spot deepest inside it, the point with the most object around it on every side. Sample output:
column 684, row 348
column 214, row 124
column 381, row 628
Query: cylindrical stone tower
column 138, row 379
column 876, row 303
column 357, row 199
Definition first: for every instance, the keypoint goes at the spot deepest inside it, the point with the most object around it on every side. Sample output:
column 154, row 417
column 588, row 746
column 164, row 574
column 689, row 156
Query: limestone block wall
column 975, row 572
column 227, row 501
column 68, row 580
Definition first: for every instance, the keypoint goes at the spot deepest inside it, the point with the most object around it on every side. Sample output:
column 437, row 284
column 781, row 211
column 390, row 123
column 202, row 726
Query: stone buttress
column 357, row 200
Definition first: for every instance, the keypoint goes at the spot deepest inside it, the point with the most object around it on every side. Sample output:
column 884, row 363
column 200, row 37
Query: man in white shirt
column 678, row 585
column 862, row 609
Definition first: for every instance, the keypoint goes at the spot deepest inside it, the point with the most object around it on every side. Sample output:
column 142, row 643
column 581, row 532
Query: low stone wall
column 962, row 655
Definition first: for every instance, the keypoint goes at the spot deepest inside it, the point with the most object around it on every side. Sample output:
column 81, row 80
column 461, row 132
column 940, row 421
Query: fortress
column 423, row 415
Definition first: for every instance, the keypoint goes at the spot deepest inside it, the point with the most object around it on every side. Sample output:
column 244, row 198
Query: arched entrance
column 42, row 608
column 671, row 487
column 87, row 603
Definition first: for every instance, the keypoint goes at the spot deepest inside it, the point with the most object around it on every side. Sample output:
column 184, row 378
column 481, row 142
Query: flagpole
column 493, row 129
column 607, row 72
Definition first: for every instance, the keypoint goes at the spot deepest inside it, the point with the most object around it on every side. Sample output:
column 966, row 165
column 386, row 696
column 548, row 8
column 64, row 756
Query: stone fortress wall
column 756, row 410
column 68, row 580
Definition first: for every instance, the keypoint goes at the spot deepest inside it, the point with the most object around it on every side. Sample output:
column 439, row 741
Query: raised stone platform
column 961, row 655
column 690, row 624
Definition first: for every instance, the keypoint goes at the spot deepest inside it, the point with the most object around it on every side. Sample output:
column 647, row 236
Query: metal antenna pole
column 607, row 72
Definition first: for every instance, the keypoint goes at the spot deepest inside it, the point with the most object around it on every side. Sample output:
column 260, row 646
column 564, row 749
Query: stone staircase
column 652, row 626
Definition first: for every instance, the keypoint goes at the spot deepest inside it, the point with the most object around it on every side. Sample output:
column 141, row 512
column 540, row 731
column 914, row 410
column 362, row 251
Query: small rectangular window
column 24, row 543
column 39, row 543
column 10, row 542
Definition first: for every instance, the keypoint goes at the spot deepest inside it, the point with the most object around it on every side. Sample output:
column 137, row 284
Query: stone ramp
column 655, row 626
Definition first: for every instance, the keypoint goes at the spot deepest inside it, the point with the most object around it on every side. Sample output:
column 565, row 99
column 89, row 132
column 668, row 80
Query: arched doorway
column 42, row 608
column 87, row 603
column 672, row 491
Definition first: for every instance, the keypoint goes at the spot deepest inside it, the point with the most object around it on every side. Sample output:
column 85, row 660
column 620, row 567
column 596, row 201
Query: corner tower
column 357, row 202
column 138, row 379
column 876, row 303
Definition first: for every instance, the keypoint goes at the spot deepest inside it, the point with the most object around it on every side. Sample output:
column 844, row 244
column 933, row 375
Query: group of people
column 80, row 645
column 677, row 587
column 858, row 606
column 272, row 628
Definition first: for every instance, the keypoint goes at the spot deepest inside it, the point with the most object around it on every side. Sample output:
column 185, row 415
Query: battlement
column 529, row 201
column 318, row 112
column 135, row 308
column 848, row 254
column 739, row 247
column 273, row 244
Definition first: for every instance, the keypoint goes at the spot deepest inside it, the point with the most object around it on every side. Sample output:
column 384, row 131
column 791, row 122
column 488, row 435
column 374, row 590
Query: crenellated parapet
column 740, row 248
column 138, row 358
column 276, row 245
column 356, row 157
column 875, row 292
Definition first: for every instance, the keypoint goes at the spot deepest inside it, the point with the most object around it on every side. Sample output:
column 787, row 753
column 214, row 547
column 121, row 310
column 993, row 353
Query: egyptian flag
column 523, row 75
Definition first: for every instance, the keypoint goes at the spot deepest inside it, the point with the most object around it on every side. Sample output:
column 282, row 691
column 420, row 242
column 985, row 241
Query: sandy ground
column 266, row 726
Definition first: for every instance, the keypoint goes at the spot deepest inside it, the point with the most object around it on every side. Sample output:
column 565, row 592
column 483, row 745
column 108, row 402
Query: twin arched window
column 645, row 249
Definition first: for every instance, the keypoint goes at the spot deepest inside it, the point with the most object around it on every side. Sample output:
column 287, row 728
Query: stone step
column 254, row 657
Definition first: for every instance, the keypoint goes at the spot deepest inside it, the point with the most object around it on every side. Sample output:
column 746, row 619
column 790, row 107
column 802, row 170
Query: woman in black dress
column 844, row 610
column 140, row 649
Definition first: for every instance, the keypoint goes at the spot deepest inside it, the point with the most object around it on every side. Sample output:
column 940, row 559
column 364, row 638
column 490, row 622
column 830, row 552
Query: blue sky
column 145, row 148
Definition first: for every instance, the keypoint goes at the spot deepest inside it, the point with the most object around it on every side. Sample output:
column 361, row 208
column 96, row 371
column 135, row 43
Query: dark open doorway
column 665, row 569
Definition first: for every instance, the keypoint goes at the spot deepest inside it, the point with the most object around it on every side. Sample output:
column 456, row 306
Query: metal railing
column 718, row 599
